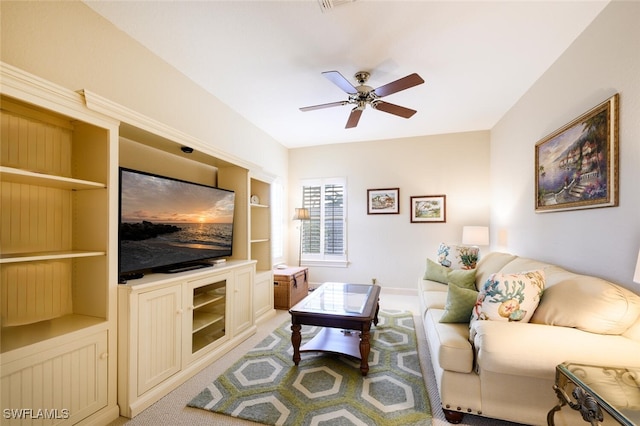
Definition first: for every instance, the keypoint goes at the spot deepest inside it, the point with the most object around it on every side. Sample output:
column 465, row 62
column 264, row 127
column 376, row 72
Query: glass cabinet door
column 209, row 307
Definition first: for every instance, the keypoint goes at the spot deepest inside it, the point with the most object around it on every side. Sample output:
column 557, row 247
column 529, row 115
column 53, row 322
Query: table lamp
column 475, row 235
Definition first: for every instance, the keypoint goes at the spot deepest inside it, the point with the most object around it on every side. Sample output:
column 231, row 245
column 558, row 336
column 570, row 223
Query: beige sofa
column 508, row 369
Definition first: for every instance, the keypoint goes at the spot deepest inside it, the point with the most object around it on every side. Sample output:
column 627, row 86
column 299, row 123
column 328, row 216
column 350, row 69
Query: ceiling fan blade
column 338, row 79
column 354, row 117
column 394, row 109
column 321, row 106
column 398, row 85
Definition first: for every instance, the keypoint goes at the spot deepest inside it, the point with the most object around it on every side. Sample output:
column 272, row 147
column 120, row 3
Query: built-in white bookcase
column 57, row 291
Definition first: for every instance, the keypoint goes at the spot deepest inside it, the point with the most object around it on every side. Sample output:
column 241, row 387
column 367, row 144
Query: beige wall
column 604, row 60
column 390, row 247
column 67, row 43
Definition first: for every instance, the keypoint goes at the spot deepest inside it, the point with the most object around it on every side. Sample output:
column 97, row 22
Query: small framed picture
column 428, row 208
column 383, row 201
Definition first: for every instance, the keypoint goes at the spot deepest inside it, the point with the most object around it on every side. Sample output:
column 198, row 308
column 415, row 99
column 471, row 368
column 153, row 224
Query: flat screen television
column 171, row 225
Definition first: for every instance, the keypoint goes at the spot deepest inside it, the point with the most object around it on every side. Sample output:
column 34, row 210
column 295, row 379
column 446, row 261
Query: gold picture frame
column 576, row 167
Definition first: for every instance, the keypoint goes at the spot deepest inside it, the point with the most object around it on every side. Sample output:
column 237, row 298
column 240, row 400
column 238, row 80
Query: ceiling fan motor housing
column 365, row 94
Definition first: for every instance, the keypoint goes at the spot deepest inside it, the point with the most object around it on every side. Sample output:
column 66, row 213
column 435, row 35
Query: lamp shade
column 636, row 275
column 475, row 235
column 301, row 214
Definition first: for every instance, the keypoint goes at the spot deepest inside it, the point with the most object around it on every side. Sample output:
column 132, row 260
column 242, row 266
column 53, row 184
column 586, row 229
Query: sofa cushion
column 590, row 304
column 533, row 350
column 520, row 264
column 633, row 332
column 428, row 285
column 434, row 299
column 458, row 257
column 491, row 263
column 454, row 351
column 459, row 304
column 509, row 297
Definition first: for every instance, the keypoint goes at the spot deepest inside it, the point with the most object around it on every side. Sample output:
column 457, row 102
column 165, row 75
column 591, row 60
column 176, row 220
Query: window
column 324, row 237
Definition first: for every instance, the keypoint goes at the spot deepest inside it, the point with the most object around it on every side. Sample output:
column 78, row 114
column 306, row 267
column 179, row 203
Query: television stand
column 182, row 268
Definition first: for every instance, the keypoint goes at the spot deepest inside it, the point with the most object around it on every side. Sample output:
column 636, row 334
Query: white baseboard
column 387, row 290
column 399, row 290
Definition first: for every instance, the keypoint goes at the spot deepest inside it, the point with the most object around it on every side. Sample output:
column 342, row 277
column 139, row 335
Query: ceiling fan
column 363, row 95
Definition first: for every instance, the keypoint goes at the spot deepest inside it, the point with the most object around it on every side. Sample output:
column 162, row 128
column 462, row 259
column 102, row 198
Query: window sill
column 326, row 263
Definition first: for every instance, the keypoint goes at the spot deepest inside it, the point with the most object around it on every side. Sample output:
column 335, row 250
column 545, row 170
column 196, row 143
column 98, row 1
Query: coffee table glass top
column 336, row 298
column 617, row 389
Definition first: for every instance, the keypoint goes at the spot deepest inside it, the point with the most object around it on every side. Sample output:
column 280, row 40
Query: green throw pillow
column 465, row 278
column 436, row 272
column 459, row 305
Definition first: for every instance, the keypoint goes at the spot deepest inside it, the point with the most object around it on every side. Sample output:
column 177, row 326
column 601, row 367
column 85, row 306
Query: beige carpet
column 173, row 410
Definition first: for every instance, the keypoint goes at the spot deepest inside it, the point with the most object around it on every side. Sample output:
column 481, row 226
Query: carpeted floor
column 173, row 410
column 266, row 387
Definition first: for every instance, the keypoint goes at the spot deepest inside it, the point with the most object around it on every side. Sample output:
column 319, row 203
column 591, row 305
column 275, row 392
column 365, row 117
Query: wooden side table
column 290, row 286
column 602, row 395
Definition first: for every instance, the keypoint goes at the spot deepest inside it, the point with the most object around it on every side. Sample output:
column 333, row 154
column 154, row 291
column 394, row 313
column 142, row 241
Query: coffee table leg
column 375, row 317
column 365, row 347
column 296, row 338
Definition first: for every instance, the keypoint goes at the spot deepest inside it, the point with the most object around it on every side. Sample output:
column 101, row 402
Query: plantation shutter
column 334, row 219
column 324, row 236
column 311, row 230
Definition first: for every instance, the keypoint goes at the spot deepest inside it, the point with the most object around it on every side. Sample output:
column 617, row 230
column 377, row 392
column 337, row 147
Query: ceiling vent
column 327, row 5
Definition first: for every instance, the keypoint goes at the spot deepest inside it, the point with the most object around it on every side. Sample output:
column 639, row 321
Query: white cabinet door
column 263, row 293
column 159, row 336
column 242, row 301
column 63, row 385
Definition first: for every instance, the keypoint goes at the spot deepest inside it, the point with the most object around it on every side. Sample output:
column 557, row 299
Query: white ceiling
column 264, row 58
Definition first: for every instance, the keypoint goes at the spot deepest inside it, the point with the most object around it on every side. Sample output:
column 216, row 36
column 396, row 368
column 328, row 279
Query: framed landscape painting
column 428, row 208
column 576, row 167
column 383, row 201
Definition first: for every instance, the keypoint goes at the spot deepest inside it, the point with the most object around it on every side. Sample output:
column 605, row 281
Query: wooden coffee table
column 346, row 312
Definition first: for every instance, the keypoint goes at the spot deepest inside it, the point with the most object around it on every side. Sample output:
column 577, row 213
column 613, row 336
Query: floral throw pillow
column 458, row 257
column 509, row 297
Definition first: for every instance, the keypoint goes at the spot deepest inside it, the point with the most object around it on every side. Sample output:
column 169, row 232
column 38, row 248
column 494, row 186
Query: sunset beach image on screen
column 166, row 222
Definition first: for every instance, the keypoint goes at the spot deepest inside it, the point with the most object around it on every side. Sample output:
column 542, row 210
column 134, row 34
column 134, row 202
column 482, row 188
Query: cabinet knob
column 179, row 311
column 191, row 308
column 104, row 355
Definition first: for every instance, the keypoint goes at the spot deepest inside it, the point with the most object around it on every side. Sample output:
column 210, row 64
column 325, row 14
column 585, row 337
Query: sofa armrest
column 431, row 294
column 449, row 343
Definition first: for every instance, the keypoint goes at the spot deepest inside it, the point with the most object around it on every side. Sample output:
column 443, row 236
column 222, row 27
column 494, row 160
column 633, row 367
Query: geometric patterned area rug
column 266, row 387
